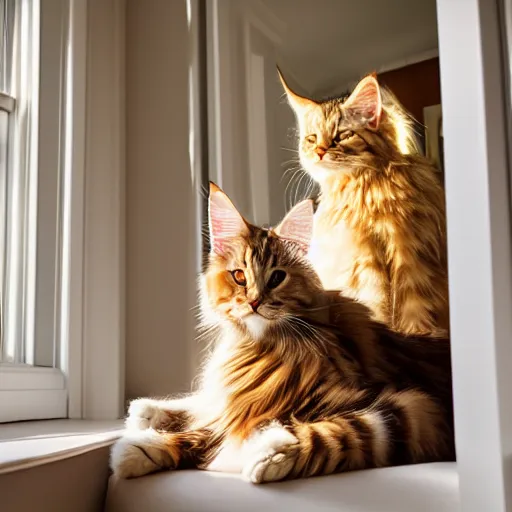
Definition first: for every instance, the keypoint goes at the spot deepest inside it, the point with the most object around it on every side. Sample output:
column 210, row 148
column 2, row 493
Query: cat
column 300, row 381
column 380, row 228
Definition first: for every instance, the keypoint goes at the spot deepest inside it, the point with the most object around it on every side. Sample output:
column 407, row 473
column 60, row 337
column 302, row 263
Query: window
column 6, row 108
column 32, row 213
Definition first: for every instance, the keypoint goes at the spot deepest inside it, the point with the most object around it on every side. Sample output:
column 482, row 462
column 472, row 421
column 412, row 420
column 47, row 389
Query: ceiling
column 330, row 43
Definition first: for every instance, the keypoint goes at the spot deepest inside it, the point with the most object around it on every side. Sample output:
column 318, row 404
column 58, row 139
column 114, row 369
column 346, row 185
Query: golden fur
column 300, row 381
column 380, row 234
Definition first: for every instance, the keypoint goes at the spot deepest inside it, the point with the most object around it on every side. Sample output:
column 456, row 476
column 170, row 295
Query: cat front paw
column 138, row 454
column 272, row 454
column 145, row 413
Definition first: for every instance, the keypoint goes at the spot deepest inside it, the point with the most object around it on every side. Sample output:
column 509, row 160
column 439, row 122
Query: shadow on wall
column 161, row 252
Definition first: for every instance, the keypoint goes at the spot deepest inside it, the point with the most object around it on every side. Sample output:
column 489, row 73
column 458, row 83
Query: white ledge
column 31, row 392
column 32, row 443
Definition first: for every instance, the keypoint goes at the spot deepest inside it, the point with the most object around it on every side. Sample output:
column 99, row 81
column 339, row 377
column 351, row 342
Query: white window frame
column 28, row 391
column 476, row 108
column 88, row 381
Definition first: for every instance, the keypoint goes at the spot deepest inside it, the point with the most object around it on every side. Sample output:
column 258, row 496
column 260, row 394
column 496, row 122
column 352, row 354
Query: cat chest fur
column 348, row 259
column 263, row 385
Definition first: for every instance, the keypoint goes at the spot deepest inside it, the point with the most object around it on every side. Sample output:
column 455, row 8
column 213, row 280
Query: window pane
column 6, row 49
column 3, row 182
column 31, row 206
column 6, row 43
column 34, row 187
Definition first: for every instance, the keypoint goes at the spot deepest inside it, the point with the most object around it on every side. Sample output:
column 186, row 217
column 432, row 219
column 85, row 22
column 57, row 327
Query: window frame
column 29, row 391
column 23, row 84
column 476, row 127
column 92, row 285
column 7, row 105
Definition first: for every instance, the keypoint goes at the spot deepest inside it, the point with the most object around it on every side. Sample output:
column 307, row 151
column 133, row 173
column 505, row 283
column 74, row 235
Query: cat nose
column 320, row 151
column 255, row 304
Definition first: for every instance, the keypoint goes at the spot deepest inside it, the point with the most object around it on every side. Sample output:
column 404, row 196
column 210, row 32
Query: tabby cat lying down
column 300, row 382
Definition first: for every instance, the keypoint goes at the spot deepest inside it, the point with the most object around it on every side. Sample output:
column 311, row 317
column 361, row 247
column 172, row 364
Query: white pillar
column 479, row 246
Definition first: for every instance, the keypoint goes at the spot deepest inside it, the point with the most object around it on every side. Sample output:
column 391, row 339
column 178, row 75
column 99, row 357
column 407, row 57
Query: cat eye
column 347, row 134
column 239, row 277
column 311, row 139
column 276, row 279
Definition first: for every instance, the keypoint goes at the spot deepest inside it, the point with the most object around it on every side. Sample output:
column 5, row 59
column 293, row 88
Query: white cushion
column 418, row 488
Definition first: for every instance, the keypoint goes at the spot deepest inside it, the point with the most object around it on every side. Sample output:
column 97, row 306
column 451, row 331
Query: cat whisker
column 205, row 329
column 211, row 339
column 291, row 180
column 316, row 308
column 313, row 347
column 316, row 333
column 309, row 329
column 293, row 186
column 291, row 161
column 297, row 185
column 289, row 186
column 297, row 190
column 312, row 186
column 297, row 165
column 303, row 340
column 203, row 191
column 292, row 170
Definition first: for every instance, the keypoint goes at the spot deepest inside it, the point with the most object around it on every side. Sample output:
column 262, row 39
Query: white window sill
column 31, row 393
column 28, row 444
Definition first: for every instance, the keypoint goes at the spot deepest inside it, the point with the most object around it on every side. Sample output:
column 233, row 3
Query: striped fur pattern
column 380, row 228
column 300, row 381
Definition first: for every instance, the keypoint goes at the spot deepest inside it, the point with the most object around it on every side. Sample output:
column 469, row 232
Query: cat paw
column 138, row 455
column 272, row 455
column 145, row 413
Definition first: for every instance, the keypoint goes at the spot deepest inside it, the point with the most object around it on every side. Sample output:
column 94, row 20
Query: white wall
column 227, row 104
column 284, row 175
column 279, row 123
column 161, row 258
column 249, row 121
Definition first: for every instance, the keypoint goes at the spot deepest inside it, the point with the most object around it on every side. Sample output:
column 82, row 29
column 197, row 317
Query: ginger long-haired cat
column 379, row 234
column 300, row 381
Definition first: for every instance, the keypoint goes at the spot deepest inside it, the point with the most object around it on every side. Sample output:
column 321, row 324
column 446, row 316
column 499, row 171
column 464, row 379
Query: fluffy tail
column 398, row 428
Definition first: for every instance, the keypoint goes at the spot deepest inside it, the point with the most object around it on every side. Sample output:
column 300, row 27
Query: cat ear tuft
column 224, row 220
column 297, row 102
column 365, row 102
column 297, row 226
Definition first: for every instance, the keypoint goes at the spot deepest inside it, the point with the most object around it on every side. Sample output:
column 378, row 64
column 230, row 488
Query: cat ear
column 297, row 102
column 297, row 226
column 225, row 221
column 365, row 102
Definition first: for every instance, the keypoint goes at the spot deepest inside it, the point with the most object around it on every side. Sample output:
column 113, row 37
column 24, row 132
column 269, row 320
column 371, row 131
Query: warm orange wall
column 416, row 86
